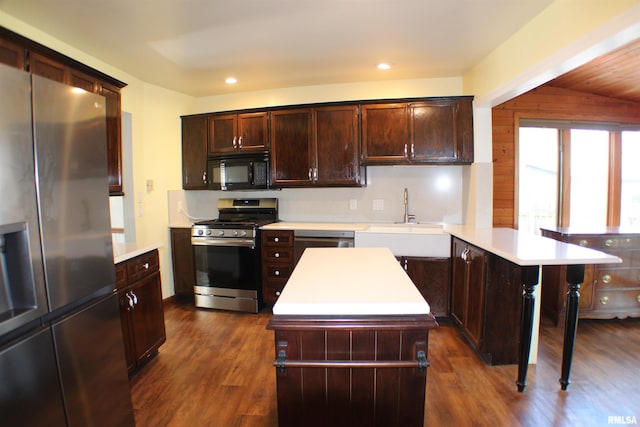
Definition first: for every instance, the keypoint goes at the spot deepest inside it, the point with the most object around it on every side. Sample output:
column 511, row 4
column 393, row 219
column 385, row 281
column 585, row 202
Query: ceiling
column 191, row 46
column 615, row 74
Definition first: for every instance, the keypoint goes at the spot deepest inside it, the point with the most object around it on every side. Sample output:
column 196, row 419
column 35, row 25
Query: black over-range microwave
column 239, row 172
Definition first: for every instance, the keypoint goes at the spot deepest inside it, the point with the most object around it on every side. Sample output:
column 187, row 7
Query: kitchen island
column 527, row 253
column 351, row 336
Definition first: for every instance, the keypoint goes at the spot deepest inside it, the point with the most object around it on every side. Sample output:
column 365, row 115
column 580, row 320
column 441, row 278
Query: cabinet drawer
column 271, row 291
column 608, row 300
column 606, row 242
column 277, row 238
column 277, row 255
column 142, row 265
column 277, row 271
column 618, row 278
column 121, row 276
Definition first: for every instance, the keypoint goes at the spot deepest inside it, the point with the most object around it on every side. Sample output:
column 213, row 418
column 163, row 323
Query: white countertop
column 529, row 249
column 349, row 281
column 333, row 226
column 125, row 251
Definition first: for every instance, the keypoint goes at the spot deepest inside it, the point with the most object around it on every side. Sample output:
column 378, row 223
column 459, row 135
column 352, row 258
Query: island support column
column 575, row 276
column 529, row 276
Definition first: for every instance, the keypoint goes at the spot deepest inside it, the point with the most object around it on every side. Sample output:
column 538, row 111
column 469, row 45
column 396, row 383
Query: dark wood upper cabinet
column 315, row 147
column 385, row 133
column 336, row 146
column 11, row 54
column 21, row 52
column 238, row 132
column 194, row 152
column 432, row 131
column 291, row 149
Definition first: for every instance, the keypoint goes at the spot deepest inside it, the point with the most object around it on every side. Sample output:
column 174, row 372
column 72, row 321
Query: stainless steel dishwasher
column 304, row 239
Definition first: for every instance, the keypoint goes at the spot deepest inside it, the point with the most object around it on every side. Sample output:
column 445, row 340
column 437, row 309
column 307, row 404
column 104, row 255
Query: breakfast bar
column 530, row 252
column 351, row 341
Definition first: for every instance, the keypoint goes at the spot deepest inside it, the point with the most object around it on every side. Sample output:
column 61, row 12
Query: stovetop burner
column 242, row 214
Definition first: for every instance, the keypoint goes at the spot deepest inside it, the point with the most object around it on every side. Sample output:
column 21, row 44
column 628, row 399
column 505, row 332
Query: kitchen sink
column 406, row 239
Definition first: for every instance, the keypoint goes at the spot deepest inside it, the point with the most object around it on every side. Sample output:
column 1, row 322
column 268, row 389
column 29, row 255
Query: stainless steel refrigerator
column 62, row 357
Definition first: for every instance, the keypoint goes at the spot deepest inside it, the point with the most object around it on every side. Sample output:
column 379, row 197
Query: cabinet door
column 82, row 80
column 432, row 132
column 114, row 137
column 223, row 137
column 291, row 155
column 125, row 302
column 474, row 311
column 11, row 54
column 336, row 146
column 385, row 133
column 432, row 277
column 45, row 67
column 253, row 131
column 182, row 258
column 147, row 317
column 458, row 281
column 194, row 152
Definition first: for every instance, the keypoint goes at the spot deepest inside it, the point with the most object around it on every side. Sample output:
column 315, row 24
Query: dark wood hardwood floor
column 215, row 369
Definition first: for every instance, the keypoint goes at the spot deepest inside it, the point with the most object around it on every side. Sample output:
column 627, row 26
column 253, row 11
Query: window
column 581, row 175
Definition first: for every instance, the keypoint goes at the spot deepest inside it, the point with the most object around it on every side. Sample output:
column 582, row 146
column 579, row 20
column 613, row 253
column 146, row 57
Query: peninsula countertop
column 525, row 249
column 349, row 281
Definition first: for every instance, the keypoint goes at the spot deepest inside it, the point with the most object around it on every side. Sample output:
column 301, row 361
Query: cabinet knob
column 606, row 279
column 277, row 293
column 638, row 298
column 145, row 265
column 277, row 255
column 276, row 239
column 605, row 300
column 608, row 243
column 584, row 242
column 276, row 273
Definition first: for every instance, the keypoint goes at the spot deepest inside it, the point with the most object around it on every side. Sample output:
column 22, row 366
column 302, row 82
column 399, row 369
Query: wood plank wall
column 544, row 102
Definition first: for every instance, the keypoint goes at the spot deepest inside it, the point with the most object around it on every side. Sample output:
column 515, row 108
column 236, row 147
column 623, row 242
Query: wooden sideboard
column 608, row 290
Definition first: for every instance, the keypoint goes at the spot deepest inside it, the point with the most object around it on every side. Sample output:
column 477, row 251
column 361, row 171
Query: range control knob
column 208, row 232
column 200, row 232
column 243, row 233
column 235, row 233
column 220, row 232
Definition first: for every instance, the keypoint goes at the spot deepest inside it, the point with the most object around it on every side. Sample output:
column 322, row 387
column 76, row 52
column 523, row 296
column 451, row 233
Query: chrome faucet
column 408, row 218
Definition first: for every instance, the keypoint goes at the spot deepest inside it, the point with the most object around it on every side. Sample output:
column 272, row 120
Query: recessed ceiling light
column 231, row 80
column 384, row 66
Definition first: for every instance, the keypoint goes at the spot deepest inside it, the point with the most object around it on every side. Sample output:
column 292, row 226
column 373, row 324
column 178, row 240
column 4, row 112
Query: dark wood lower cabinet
column 184, row 276
column 347, row 371
column 141, row 309
column 432, row 277
column 486, row 301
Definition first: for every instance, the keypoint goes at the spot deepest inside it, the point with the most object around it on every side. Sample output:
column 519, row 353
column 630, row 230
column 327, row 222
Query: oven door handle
column 212, row 241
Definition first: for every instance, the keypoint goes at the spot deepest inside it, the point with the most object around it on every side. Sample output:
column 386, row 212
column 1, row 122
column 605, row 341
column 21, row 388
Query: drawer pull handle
column 608, row 243
column 145, row 265
column 277, row 255
column 604, row 300
column 277, row 272
column 584, row 242
column 606, row 279
column 276, row 239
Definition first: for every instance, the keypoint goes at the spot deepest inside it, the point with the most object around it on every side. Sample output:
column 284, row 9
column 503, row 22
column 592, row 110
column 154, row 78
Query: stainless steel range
column 227, row 254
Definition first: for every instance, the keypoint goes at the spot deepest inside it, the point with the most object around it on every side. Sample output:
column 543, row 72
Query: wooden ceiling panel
column 616, row 75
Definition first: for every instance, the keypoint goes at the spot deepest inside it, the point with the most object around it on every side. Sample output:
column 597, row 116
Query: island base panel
column 369, row 373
